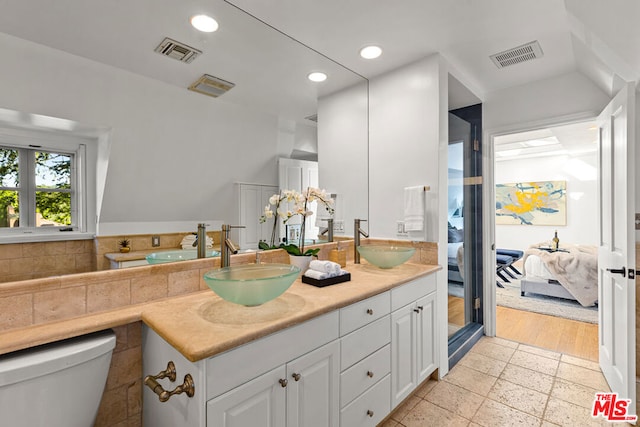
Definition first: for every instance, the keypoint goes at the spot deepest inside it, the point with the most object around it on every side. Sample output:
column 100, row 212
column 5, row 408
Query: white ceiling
column 571, row 139
column 596, row 37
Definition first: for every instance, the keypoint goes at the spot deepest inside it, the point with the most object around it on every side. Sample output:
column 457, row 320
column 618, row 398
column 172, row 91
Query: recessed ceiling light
column 317, row 77
column 204, row 23
column 370, row 52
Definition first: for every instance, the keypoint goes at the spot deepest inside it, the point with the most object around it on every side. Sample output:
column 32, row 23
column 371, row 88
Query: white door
column 616, row 251
column 253, row 199
column 299, row 175
column 313, row 391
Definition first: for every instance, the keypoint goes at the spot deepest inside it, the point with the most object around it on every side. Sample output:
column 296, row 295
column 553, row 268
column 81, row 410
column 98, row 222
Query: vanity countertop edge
column 200, row 325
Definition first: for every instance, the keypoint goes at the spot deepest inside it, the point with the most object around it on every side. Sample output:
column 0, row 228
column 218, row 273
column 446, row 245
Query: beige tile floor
column 504, row 383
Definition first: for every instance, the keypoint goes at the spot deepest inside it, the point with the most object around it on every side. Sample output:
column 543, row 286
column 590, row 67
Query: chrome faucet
column 226, row 245
column 327, row 230
column 357, row 231
column 201, row 240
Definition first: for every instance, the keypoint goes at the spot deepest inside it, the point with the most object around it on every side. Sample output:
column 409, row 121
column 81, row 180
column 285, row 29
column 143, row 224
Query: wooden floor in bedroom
column 565, row 336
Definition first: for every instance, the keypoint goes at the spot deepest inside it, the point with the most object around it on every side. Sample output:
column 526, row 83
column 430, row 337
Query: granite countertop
column 202, row 325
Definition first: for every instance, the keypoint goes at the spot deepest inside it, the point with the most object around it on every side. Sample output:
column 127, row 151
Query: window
column 37, row 188
column 43, row 185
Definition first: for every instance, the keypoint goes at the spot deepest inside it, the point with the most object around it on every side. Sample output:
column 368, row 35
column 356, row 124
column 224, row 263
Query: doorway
column 546, row 186
column 464, row 231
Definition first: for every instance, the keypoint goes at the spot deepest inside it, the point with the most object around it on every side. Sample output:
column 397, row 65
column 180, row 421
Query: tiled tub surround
column 140, row 245
column 24, row 261
column 44, row 310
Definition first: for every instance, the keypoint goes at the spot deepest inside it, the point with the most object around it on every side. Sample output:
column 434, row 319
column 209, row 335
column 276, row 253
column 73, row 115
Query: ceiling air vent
column 177, row 50
column 526, row 52
column 210, row 85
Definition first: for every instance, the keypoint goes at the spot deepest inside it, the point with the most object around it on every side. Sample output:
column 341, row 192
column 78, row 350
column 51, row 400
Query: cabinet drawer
column 361, row 343
column 359, row 314
column 370, row 408
column 408, row 293
column 364, row 374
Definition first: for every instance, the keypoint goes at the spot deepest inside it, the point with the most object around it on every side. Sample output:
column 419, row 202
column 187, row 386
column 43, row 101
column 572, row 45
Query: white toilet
column 55, row 385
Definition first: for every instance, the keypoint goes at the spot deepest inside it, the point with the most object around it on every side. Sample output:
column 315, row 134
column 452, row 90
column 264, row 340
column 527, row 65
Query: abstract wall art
column 532, row 203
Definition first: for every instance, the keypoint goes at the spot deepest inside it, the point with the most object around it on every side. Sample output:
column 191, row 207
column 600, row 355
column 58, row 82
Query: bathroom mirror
column 174, row 154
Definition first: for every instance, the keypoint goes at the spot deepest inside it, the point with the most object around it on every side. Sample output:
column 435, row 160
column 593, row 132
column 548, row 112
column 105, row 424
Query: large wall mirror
column 174, row 156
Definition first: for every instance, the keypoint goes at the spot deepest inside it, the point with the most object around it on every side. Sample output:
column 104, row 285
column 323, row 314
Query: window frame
column 82, row 149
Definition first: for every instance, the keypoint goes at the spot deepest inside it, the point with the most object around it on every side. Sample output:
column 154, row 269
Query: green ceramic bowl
column 251, row 284
column 385, row 256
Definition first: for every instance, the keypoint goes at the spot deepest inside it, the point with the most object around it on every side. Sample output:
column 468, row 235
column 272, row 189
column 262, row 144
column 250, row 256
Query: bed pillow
column 455, row 235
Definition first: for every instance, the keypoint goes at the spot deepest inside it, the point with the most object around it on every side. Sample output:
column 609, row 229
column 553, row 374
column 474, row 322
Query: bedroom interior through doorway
column 560, row 152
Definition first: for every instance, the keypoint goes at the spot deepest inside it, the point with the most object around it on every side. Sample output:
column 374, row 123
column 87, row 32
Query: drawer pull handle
column 283, row 382
column 370, row 374
column 296, row 377
column 370, row 412
column 187, row 387
column 170, row 373
column 370, row 311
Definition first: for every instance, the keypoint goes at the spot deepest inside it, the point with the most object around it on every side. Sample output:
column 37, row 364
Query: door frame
column 489, row 209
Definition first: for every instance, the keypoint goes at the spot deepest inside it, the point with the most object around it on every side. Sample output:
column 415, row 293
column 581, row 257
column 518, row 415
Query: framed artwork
column 532, row 203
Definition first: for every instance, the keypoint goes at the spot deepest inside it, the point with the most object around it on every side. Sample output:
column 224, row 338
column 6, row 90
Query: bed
column 571, row 273
column 454, row 253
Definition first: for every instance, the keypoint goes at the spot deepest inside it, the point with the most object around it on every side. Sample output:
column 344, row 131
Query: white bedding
column 575, row 268
column 535, row 268
column 452, row 250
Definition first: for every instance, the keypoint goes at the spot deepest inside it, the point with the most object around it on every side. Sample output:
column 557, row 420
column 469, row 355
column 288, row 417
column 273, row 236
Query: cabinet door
column 425, row 337
column 313, row 391
column 258, row 403
column 253, row 199
column 403, row 353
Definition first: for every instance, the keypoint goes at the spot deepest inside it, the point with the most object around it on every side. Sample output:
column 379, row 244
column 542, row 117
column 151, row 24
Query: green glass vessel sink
column 177, row 255
column 251, row 284
column 385, row 256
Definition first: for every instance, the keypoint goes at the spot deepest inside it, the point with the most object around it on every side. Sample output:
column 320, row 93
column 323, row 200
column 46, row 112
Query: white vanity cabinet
column 289, row 378
column 304, row 392
column 349, row 367
column 413, row 336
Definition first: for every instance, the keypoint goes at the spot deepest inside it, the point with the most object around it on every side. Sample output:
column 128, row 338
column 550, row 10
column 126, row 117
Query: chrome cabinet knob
column 283, row 382
column 370, row 374
column 370, row 311
column 370, row 412
column 296, row 377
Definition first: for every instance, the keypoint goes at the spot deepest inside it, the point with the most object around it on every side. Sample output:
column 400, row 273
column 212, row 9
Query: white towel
column 314, row 274
column 414, row 208
column 328, row 267
column 187, row 242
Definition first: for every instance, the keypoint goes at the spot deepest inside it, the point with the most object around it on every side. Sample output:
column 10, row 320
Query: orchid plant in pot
column 287, row 205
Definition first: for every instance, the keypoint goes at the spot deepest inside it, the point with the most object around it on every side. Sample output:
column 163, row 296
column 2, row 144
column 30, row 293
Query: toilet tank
column 55, row 385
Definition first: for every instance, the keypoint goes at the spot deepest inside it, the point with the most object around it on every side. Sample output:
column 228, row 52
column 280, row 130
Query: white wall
column 582, row 200
column 343, row 166
column 405, row 116
column 174, row 153
column 551, row 98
